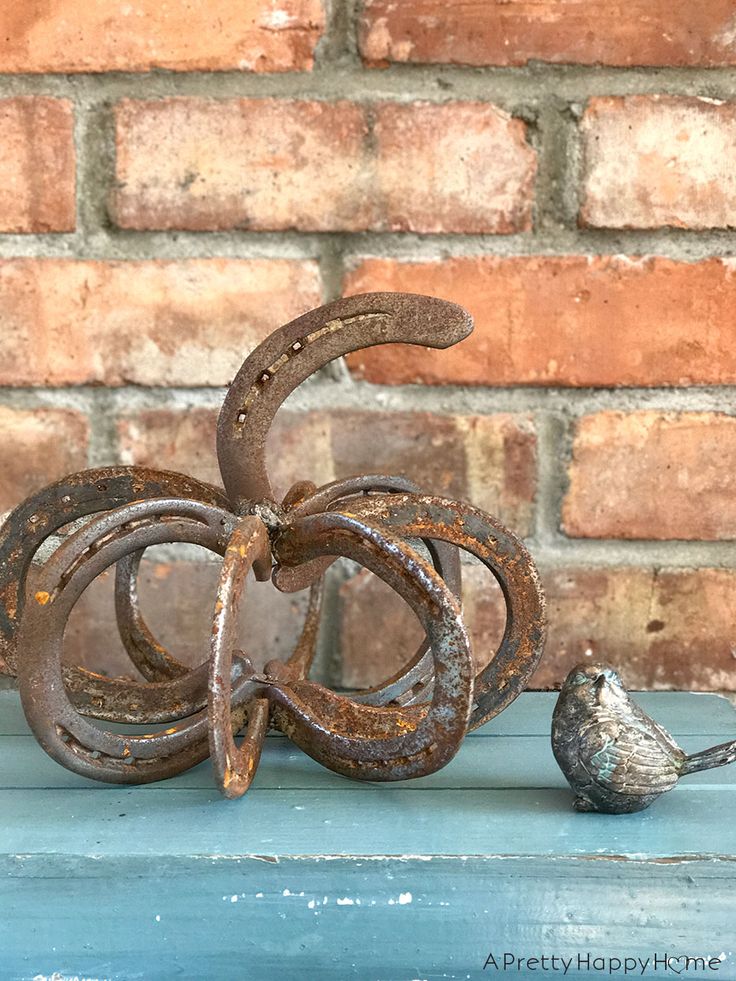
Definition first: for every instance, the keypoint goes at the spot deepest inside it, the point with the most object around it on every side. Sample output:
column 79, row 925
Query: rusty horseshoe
column 410, row 725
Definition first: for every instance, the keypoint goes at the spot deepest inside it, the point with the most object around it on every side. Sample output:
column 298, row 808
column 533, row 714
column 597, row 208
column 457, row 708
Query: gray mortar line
column 104, row 243
column 324, row 394
column 566, row 554
column 551, row 478
column 95, row 169
column 337, row 48
column 345, row 78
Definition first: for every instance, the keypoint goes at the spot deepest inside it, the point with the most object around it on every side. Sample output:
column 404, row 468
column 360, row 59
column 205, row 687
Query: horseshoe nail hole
column 33, row 519
column 241, row 417
column 66, row 499
column 102, row 487
column 297, row 346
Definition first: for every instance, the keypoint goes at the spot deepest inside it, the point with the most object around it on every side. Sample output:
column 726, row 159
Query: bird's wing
column 624, row 757
column 662, row 736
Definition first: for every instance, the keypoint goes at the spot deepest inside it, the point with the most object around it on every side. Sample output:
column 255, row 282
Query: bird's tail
column 706, row 759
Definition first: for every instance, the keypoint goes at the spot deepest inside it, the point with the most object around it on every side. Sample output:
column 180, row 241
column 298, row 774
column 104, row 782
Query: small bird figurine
column 615, row 758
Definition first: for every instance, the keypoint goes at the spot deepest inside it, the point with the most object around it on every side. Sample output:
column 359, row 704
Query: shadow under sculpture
column 410, row 726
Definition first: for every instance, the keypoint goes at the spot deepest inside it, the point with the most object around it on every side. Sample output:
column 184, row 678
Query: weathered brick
column 171, row 439
column 299, row 447
column 38, row 446
column 659, row 160
column 37, row 165
column 662, row 628
column 273, row 164
column 378, row 632
column 177, row 599
column 489, row 460
column 433, row 173
column 185, row 322
column 141, row 35
column 660, row 475
column 547, row 320
column 496, row 32
column 241, row 163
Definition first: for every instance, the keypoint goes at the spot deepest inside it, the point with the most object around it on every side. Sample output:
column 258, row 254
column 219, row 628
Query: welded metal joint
column 409, row 726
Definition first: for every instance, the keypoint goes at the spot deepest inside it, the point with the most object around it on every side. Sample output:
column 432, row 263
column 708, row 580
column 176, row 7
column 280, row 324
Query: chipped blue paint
column 314, row 876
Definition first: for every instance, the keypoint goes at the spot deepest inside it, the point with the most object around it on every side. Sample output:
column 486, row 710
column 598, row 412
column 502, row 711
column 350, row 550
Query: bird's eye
column 579, row 678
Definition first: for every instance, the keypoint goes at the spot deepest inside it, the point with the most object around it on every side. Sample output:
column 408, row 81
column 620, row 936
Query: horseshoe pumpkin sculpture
column 410, row 726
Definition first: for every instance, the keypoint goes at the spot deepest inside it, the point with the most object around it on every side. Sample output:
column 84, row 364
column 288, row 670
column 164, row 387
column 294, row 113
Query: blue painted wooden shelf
column 313, row 876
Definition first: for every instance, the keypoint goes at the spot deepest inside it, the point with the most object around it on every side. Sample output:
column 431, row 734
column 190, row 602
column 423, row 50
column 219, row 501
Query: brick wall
column 178, row 179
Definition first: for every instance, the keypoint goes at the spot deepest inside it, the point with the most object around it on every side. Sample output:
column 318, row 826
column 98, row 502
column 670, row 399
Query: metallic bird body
column 615, row 757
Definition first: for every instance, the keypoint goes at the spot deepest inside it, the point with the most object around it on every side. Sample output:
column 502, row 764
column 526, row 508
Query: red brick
column 497, row 32
column 171, row 439
column 37, row 165
column 434, row 173
column 662, row 628
column 660, row 475
column 378, row 632
column 274, row 164
column 186, row 322
column 652, row 161
column 141, row 35
column 242, row 163
column 547, row 320
column 489, row 460
column 177, row 599
column 299, row 447
column 38, row 446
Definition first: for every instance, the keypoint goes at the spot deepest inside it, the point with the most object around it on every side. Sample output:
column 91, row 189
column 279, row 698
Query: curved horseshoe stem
column 295, row 351
column 234, row 767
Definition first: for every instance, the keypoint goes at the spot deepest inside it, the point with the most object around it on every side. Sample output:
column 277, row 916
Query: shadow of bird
column 614, row 756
